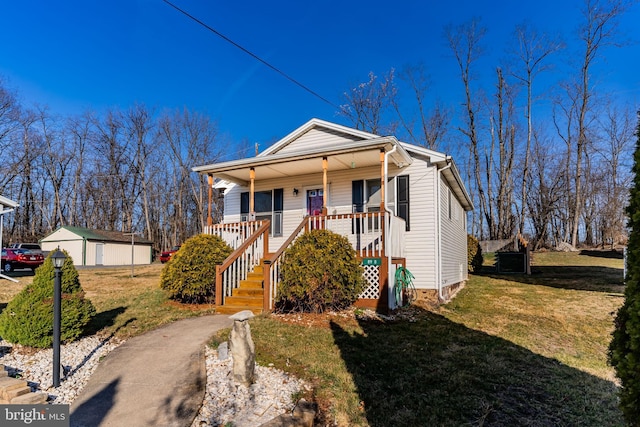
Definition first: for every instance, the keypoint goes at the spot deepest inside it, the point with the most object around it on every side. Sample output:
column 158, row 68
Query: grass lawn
column 508, row 350
column 126, row 306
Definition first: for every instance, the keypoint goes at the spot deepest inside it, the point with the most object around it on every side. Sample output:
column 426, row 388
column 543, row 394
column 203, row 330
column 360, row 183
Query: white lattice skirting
column 372, row 275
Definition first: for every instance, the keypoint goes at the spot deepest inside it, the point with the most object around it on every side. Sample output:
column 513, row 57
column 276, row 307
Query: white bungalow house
column 397, row 203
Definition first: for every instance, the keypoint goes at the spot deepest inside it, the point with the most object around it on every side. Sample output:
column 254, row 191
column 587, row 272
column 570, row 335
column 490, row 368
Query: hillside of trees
column 121, row 171
column 545, row 152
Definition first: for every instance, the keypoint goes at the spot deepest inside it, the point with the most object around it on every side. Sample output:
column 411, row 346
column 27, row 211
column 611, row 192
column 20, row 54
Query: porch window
column 365, row 195
column 268, row 205
column 371, row 203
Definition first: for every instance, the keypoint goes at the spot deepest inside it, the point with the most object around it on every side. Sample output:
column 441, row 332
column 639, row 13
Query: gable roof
column 332, row 128
column 299, row 151
column 451, row 174
column 102, row 235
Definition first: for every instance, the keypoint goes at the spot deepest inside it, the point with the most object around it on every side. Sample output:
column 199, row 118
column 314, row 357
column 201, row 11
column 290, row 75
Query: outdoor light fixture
column 58, row 258
column 295, row 192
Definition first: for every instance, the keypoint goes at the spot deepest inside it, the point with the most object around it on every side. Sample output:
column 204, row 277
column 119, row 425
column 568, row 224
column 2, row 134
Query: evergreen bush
column 624, row 350
column 320, row 272
column 474, row 254
column 190, row 275
column 28, row 318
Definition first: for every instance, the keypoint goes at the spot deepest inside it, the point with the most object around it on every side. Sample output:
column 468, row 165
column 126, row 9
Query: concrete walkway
column 155, row 379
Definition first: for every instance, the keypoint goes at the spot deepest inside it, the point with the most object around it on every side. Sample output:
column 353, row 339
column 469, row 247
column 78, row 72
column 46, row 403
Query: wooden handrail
column 291, row 238
column 268, row 263
column 236, row 254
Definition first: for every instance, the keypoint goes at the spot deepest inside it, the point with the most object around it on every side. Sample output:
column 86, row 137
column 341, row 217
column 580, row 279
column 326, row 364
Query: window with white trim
column 268, row 205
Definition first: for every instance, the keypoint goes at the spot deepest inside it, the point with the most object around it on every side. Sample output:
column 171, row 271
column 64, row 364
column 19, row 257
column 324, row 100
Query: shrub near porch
column 189, row 276
column 320, row 272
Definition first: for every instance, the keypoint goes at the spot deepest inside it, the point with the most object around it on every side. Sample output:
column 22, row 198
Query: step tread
column 243, row 300
column 250, row 284
column 233, row 309
column 247, row 292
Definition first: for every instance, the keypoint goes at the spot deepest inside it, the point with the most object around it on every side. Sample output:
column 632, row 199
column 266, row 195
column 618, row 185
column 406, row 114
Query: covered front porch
column 376, row 237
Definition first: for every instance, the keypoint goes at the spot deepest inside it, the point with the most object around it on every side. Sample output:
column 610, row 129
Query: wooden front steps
column 248, row 295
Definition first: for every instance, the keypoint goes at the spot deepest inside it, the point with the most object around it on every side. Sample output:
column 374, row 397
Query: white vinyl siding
column 318, row 138
column 420, row 241
column 73, row 246
column 339, row 197
column 454, row 238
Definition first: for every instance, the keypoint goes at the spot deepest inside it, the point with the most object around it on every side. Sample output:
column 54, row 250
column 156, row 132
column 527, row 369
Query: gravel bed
column 78, row 359
column 225, row 401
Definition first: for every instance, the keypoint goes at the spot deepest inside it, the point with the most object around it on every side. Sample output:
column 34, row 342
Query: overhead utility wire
column 248, row 52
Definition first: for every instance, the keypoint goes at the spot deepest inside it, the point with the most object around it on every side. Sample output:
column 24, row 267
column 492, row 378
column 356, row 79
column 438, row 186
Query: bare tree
column 465, row 42
column 532, row 50
column 190, row 139
column 56, row 159
column 80, row 134
column 10, row 123
column 615, row 151
column 545, row 192
column 598, row 31
column 367, row 104
column 426, row 127
column 506, row 135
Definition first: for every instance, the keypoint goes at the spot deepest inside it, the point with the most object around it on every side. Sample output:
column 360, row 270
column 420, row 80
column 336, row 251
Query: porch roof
column 281, row 165
column 8, row 203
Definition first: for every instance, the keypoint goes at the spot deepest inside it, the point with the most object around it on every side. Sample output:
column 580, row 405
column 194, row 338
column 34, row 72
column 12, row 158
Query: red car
column 13, row 259
column 166, row 255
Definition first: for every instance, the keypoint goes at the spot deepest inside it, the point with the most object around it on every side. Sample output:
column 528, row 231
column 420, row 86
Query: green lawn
column 508, row 350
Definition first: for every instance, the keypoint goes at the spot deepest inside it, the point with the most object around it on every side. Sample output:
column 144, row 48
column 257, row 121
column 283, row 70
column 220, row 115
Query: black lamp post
column 58, row 260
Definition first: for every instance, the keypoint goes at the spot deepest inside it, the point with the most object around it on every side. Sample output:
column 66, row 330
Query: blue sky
column 73, row 55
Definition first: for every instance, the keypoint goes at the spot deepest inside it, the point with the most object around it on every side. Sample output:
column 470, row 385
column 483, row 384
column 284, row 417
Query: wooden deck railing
column 243, row 259
column 372, row 234
column 365, row 231
column 234, row 233
column 272, row 265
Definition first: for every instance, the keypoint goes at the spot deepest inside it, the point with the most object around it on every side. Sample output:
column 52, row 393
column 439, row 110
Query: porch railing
column 235, row 233
column 372, row 234
column 250, row 252
column 365, row 231
column 273, row 263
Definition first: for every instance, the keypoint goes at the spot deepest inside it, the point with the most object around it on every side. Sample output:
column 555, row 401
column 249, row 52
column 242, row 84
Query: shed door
column 99, row 253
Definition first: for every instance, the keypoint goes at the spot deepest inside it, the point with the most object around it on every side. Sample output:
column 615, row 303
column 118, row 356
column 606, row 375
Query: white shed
column 98, row 247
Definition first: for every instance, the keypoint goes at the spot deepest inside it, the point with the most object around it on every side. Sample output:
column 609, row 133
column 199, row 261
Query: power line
column 253, row 55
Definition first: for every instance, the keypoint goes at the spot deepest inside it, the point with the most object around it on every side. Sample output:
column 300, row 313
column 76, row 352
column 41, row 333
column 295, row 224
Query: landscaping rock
column 303, row 416
column 38, row 398
column 223, row 351
column 565, row 247
column 242, row 348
